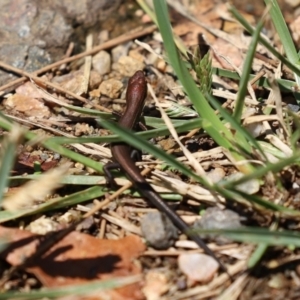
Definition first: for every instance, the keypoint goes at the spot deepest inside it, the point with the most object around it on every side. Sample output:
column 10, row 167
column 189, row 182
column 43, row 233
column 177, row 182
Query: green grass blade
column 287, row 86
column 79, row 289
column 5, row 124
column 200, row 103
column 264, row 42
column 284, row 34
column 7, row 157
column 236, row 195
column 257, row 255
column 7, row 162
column 229, row 193
column 73, row 199
column 211, row 123
column 240, row 101
column 137, row 142
column 180, row 126
column 259, row 235
column 262, row 171
column 245, row 136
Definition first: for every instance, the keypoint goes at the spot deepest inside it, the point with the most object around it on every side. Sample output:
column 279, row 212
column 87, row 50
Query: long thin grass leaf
column 181, row 126
column 257, row 255
column 236, row 195
column 284, row 34
column 261, row 171
column 139, row 143
column 240, row 101
column 246, row 136
column 200, row 103
column 264, row 42
column 73, row 199
column 7, row 157
column 5, row 124
column 259, row 235
column 284, row 85
column 90, row 288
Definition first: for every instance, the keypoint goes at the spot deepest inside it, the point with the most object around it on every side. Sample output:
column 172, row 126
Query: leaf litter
column 79, row 257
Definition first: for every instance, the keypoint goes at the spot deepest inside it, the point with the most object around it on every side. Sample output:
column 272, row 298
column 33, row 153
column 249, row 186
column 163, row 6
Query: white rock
column 216, row 175
column 249, row 187
column 197, row 266
column 102, row 62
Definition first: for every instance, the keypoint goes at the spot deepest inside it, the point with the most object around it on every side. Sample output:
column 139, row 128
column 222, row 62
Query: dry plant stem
column 217, row 282
column 197, row 167
column 191, row 133
column 259, row 75
column 191, row 159
column 121, row 223
column 234, row 291
column 87, row 64
column 87, row 148
column 239, row 71
column 70, row 50
column 102, row 229
column 68, row 54
column 112, row 43
column 50, row 85
column 113, row 196
column 265, row 59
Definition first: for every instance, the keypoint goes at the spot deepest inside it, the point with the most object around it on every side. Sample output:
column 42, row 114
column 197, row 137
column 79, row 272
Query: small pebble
column 95, row 80
column 181, row 283
column 216, row 218
column 73, row 82
column 56, row 156
column 79, row 166
column 278, row 281
column 158, row 230
column 82, row 129
column 44, row 156
column 293, row 107
column 43, row 226
column 155, row 285
column 119, row 51
column 127, row 66
column 249, row 187
column 216, row 175
column 111, row 88
column 102, row 62
column 197, row 266
column 256, row 129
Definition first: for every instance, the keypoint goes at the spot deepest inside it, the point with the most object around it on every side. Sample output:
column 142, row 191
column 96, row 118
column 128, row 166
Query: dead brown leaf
column 77, row 258
column 26, row 160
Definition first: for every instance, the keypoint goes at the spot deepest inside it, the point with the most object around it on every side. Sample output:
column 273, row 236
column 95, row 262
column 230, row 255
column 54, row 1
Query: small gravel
column 158, row 230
